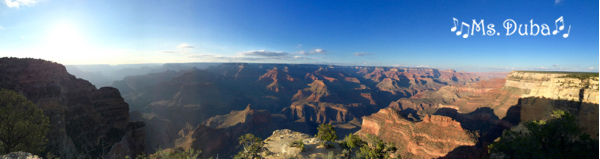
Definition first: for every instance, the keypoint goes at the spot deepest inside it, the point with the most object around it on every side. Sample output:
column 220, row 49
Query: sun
column 65, row 42
column 64, row 36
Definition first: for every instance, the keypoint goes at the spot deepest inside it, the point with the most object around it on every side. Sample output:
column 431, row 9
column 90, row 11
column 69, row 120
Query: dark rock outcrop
column 132, row 144
column 85, row 121
column 220, row 133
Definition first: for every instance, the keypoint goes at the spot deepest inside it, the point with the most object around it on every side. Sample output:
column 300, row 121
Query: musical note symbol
column 455, row 21
column 561, row 20
column 567, row 34
column 461, row 29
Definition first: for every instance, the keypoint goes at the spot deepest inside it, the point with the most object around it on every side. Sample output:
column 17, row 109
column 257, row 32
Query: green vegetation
column 326, row 134
column 23, row 126
column 252, row 147
column 556, row 138
column 351, row 142
column 178, row 153
column 580, row 76
column 330, row 155
column 299, row 144
column 376, row 148
column 372, row 148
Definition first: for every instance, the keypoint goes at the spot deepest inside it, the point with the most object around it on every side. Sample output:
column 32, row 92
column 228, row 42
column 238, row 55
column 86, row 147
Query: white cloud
column 318, row 51
column 18, row 3
column 181, row 48
column 361, row 54
column 423, row 66
column 265, row 53
column 185, row 45
column 298, row 46
column 590, row 68
column 557, row 1
column 313, row 52
column 1, row 27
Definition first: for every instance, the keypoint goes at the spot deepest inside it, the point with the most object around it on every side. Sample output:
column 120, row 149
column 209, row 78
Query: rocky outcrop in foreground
column 19, row 155
column 281, row 146
column 85, row 121
column 432, row 137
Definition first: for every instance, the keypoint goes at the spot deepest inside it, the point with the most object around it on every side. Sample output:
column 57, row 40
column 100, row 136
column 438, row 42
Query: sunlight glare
column 64, row 42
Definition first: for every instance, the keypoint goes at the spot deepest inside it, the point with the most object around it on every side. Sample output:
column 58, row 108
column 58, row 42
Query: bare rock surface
column 280, row 144
column 19, row 155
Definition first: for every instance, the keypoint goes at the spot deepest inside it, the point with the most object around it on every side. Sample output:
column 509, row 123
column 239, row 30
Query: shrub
column 556, row 138
column 326, row 134
column 252, row 146
column 376, row 148
column 300, row 144
column 178, row 153
column 23, row 126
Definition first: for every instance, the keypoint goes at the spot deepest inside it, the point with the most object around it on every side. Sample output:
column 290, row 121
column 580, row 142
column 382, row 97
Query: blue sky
column 382, row 33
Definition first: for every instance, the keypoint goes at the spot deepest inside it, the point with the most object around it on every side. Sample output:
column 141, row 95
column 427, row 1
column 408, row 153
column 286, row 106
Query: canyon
column 426, row 112
column 296, row 96
column 487, row 107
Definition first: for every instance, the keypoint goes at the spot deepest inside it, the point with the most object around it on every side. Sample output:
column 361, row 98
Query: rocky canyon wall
column 548, row 91
column 433, row 137
column 84, row 121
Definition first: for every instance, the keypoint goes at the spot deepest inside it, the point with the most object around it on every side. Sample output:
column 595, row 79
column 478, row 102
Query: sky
column 369, row 33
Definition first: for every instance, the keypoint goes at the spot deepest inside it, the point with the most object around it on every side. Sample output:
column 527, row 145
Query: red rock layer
column 433, row 137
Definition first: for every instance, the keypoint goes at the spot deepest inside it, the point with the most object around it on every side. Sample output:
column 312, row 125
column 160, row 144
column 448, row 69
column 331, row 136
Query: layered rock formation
column 556, row 85
column 548, row 91
column 219, row 134
column 132, row 143
column 300, row 95
column 432, row 137
column 84, row 120
column 464, row 98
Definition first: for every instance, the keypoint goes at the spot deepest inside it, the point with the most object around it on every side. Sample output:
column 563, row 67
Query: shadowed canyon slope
column 489, row 107
column 545, row 92
column 85, row 121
